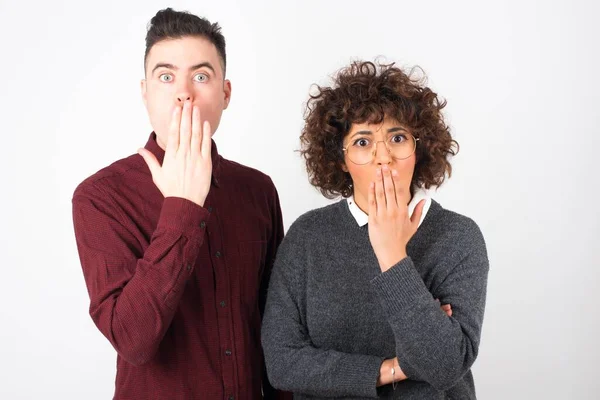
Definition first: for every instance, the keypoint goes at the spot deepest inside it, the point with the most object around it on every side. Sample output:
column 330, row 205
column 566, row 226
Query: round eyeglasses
column 362, row 150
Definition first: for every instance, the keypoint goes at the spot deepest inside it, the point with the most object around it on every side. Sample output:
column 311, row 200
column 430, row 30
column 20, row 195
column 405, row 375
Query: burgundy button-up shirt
column 179, row 289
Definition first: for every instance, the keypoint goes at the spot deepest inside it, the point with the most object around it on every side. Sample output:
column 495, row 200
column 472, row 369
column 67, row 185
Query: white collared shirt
column 362, row 218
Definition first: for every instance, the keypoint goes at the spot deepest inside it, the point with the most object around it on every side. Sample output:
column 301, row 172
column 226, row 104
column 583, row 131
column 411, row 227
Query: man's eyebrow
column 201, row 65
column 193, row 67
column 164, row 65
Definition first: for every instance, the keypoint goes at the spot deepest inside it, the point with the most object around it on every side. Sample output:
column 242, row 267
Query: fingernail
column 385, row 168
column 394, row 172
column 378, row 171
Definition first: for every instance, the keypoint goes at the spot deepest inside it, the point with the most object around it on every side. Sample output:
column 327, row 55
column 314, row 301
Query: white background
column 521, row 80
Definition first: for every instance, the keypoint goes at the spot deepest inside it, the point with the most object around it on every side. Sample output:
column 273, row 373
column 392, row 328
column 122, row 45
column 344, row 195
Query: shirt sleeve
column 134, row 293
column 431, row 346
column 277, row 233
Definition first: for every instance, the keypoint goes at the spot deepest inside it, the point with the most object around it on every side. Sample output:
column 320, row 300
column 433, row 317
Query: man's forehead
column 183, row 53
column 183, row 44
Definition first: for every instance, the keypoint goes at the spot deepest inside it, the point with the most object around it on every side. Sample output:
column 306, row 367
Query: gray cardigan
column 332, row 317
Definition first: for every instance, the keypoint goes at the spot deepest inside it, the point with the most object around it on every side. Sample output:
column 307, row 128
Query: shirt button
column 218, row 254
column 202, row 224
column 231, row 398
column 210, row 209
column 227, row 352
column 222, row 304
column 189, row 267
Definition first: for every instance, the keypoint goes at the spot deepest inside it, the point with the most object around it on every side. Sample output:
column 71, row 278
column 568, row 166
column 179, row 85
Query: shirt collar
column 159, row 153
column 362, row 218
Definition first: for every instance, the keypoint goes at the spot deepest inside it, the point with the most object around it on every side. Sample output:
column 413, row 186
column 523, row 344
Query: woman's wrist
column 384, row 373
column 390, row 372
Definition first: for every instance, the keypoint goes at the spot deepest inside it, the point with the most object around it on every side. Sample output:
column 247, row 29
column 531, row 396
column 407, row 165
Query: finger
column 379, row 193
column 151, row 162
column 173, row 139
column 398, row 187
column 372, row 202
column 447, row 308
column 196, row 141
column 185, row 129
column 206, row 140
column 417, row 213
column 388, row 186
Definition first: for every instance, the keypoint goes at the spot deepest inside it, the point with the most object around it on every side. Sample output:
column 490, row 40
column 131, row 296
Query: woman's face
column 365, row 139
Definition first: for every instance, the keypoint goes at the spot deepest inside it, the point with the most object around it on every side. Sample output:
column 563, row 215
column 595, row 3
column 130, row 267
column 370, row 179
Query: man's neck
column 160, row 143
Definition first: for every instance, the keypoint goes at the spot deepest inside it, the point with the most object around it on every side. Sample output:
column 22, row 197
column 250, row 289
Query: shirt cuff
column 400, row 287
column 360, row 374
column 182, row 215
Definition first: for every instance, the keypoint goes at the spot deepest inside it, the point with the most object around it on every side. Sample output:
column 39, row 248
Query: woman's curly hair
column 367, row 93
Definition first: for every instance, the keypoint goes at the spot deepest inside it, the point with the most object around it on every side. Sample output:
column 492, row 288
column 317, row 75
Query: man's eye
column 200, row 77
column 165, row 78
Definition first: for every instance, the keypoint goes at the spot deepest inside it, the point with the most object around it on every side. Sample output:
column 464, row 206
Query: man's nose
column 183, row 93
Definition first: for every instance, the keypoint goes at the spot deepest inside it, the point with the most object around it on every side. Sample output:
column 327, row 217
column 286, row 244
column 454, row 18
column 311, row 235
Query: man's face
column 180, row 69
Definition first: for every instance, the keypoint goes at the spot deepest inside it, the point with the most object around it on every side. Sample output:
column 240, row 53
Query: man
column 177, row 243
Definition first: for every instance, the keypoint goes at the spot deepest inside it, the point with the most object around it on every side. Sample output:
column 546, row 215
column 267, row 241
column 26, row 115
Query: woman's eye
column 361, row 142
column 398, row 138
column 200, row 77
column 165, row 78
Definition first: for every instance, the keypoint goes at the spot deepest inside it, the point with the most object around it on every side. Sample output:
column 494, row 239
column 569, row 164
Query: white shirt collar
column 362, row 218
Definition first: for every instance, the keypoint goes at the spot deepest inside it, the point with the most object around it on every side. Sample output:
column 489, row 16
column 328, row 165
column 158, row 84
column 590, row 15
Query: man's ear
column 143, row 89
column 226, row 93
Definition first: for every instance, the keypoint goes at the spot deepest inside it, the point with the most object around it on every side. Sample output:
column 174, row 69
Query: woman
column 353, row 307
